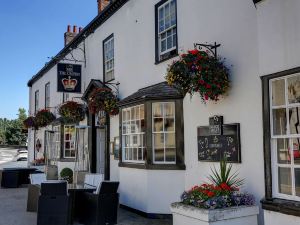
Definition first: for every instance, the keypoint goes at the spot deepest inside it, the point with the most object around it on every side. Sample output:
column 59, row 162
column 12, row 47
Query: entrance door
column 100, row 154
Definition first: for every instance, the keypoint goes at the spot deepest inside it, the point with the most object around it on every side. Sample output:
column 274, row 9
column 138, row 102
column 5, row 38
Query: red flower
column 206, row 97
column 225, row 186
column 210, row 194
column 194, row 52
column 201, row 82
column 208, row 86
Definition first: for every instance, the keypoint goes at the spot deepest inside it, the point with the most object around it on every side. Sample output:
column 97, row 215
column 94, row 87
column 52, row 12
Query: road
column 7, row 158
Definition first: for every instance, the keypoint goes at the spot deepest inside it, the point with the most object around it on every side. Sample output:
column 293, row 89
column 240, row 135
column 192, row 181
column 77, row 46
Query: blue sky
column 31, row 31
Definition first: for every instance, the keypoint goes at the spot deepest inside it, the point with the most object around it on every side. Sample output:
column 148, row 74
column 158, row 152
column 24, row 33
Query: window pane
column 170, row 154
column 169, row 125
column 130, row 154
column 278, row 94
column 159, row 155
column 140, row 154
column 158, row 140
column 142, row 112
column 163, row 45
column 135, row 157
column 157, row 109
column 279, row 122
column 169, row 42
column 297, row 181
column 283, row 151
column 169, row 109
column 284, row 180
column 133, row 113
column 295, row 150
column 294, row 89
column 294, row 120
column 158, row 125
column 170, row 140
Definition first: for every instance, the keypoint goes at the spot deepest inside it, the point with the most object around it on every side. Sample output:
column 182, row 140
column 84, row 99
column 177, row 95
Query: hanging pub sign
column 218, row 141
column 68, row 78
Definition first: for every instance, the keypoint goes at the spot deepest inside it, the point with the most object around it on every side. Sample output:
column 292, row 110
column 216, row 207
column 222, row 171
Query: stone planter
column 189, row 215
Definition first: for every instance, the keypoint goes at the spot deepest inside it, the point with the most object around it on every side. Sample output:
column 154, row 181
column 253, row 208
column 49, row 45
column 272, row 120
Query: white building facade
column 131, row 43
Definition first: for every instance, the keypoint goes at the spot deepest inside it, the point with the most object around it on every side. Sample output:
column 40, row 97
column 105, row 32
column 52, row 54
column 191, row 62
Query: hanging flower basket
column 30, row 122
column 44, row 117
column 102, row 99
column 72, row 112
column 197, row 72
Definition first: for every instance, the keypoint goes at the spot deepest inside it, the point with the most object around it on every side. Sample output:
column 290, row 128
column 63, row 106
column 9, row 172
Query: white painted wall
column 279, row 35
column 274, row 218
column 279, row 47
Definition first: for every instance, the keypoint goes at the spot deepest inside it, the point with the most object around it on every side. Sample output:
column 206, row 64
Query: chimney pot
column 80, row 29
column 102, row 4
column 75, row 29
column 69, row 29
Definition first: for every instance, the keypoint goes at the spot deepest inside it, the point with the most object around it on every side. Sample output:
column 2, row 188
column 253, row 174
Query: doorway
column 100, row 151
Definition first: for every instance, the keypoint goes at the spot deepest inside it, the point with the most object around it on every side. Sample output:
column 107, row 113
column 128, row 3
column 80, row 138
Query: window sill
column 166, row 59
column 282, row 206
column 66, row 160
column 153, row 166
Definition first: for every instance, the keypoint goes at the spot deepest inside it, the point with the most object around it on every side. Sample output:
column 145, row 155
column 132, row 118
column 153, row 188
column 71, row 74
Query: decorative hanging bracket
column 210, row 49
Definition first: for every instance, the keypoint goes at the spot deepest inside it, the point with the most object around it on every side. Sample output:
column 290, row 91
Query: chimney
column 102, row 5
column 69, row 35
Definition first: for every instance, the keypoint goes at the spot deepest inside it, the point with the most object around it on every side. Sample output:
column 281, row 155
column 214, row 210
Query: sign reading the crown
column 68, row 78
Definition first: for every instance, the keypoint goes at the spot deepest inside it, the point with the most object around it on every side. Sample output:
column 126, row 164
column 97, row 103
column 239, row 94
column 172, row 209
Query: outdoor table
column 76, row 198
column 14, row 177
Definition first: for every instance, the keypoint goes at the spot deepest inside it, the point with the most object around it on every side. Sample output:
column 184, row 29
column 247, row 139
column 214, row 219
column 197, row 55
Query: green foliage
column 67, row 174
column 225, row 175
column 12, row 131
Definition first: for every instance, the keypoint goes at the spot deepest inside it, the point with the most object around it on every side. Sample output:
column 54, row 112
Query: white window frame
column 108, row 60
column 47, row 95
column 57, row 139
column 171, row 28
column 71, row 149
column 142, row 161
column 274, row 158
column 163, row 132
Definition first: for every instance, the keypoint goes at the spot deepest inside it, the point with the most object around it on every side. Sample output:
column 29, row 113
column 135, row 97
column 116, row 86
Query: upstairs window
column 36, row 101
column 108, row 59
column 47, row 95
column 166, row 30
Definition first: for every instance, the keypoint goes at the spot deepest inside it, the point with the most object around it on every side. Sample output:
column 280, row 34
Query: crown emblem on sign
column 69, row 84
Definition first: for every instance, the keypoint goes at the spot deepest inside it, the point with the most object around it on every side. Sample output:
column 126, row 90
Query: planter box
column 189, row 215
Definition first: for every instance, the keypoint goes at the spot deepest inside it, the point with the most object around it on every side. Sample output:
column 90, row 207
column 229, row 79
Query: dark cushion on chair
column 54, row 188
column 109, row 187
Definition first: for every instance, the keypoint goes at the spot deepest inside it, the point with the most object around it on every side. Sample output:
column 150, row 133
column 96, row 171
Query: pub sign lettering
column 68, row 78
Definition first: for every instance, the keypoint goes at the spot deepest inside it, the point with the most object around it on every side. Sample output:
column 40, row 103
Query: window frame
column 274, row 154
column 170, row 53
column 113, row 59
column 47, row 95
column 36, row 101
column 131, row 134
column 271, row 201
column 64, row 142
column 164, row 133
column 179, row 127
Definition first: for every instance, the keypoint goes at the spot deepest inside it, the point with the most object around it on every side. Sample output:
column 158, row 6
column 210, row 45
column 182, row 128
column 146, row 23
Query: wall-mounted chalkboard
column 218, row 141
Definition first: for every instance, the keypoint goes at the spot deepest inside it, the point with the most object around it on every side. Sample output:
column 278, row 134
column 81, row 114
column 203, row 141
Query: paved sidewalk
column 13, row 211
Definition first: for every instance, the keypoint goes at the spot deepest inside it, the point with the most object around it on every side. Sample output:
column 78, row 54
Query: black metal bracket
column 210, row 49
column 114, row 85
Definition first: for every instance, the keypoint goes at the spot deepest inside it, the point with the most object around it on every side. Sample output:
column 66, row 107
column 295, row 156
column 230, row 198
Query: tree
column 12, row 131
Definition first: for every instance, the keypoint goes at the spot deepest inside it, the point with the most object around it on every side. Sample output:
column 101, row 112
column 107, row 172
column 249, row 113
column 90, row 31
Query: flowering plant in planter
column 221, row 193
column 197, row 72
column 44, row 117
column 72, row 112
column 102, row 99
column 29, row 122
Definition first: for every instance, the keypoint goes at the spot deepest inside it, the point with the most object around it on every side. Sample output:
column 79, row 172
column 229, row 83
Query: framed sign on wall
column 68, row 78
column 218, row 141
